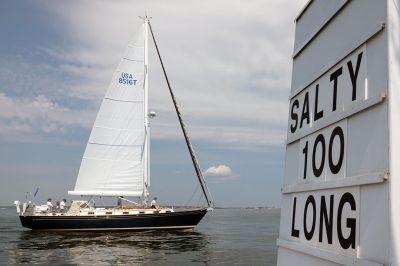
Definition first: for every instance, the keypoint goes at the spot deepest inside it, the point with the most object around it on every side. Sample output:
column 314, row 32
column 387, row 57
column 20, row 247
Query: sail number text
column 127, row 79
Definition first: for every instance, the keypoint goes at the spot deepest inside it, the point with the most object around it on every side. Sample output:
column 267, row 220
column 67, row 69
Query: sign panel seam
column 332, row 64
column 356, row 108
column 318, row 30
column 365, row 179
column 303, row 10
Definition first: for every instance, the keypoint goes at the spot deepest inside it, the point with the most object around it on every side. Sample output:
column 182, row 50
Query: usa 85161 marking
column 127, row 79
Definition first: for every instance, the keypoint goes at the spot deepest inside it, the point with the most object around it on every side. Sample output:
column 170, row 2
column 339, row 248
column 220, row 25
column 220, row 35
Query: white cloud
column 220, row 173
column 21, row 118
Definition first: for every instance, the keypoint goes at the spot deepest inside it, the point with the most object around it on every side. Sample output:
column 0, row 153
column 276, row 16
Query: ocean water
column 223, row 237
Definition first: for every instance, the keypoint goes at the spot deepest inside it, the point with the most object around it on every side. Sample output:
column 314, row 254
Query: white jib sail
column 113, row 162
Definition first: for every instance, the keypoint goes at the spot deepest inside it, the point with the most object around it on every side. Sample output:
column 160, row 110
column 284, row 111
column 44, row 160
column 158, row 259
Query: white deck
column 104, row 211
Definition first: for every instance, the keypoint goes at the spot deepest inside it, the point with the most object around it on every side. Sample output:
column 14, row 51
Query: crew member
column 62, row 205
column 119, row 202
column 153, row 203
column 49, row 204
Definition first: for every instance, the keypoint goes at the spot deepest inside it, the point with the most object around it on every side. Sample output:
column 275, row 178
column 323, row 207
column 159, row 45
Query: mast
column 146, row 148
column 196, row 165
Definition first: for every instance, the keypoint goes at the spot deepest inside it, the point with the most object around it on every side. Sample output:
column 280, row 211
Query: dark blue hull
column 186, row 219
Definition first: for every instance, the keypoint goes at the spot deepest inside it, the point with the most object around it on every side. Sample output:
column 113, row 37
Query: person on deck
column 62, row 205
column 119, row 202
column 153, row 203
column 57, row 206
column 49, row 204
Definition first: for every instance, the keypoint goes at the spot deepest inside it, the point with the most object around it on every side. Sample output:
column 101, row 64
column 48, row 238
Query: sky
column 229, row 64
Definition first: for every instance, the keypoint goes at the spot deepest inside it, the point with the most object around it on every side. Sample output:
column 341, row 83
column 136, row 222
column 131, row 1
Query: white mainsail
column 115, row 160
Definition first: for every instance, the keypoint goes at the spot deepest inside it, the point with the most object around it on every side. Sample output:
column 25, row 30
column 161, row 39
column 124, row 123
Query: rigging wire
column 203, row 185
column 200, row 200
column 193, row 195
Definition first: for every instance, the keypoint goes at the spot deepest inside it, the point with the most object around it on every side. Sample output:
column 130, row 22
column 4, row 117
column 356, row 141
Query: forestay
column 114, row 159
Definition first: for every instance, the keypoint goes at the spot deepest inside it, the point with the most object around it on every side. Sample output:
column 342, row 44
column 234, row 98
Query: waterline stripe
column 124, row 228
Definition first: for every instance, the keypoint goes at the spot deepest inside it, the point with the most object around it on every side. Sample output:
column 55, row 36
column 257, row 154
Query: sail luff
column 146, row 177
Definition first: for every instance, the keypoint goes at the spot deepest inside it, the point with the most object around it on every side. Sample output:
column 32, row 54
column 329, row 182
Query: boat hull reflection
column 109, row 248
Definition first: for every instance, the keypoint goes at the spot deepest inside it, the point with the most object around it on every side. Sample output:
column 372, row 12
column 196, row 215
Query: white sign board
column 340, row 138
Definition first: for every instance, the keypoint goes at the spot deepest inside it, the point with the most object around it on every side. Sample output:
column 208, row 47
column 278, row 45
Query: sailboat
column 117, row 159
